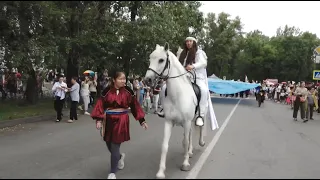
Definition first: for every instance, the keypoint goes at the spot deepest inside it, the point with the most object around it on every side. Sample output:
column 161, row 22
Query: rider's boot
column 199, row 121
column 161, row 113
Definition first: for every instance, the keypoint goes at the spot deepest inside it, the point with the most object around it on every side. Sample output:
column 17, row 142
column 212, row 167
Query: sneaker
column 70, row 121
column 311, row 119
column 57, row 120
column 305, row 120
column 80, row 108
column 112, row 176
column 121, row 161
column 86, row 113
column 161, row 113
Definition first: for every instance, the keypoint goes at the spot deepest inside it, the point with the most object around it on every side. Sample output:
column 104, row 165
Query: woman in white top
column 147, row 100
column 85, row 94
column 59, row 90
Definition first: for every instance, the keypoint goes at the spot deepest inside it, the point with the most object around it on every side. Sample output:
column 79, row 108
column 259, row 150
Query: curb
column 33, row 119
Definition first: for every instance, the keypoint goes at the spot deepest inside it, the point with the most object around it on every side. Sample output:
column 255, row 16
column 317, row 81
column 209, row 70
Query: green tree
column 223, row 43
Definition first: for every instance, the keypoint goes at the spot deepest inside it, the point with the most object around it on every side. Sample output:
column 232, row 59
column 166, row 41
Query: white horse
column 179, row 103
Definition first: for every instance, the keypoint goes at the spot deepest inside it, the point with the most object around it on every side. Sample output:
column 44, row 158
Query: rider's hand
column 98, row 125
column 144, row 125
column 189, row 67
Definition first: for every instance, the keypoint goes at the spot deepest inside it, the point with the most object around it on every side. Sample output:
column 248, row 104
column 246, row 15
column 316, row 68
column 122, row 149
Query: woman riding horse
column 195, row 59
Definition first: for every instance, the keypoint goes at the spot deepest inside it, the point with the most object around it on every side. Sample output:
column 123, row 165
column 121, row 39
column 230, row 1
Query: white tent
column 213, row 76
column 269, row 83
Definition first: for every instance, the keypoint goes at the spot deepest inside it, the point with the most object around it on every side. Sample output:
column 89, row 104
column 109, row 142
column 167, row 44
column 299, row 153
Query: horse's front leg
column 185, row 165
column 165, row 145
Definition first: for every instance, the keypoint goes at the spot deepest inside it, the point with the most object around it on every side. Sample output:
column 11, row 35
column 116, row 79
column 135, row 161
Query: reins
column 166, row 77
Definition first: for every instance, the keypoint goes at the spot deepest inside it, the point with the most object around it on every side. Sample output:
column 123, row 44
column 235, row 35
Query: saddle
column 196, row 90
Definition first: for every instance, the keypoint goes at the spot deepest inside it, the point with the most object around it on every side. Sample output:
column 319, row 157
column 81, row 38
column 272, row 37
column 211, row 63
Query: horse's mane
column 175, row 61
column 179, row 52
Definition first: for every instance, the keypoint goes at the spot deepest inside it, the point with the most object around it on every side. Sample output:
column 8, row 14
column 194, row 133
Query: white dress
column 200, row 66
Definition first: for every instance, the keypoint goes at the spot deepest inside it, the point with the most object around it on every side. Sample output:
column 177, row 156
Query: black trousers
column 241, row 94
column 296, row 106
column 93, row 95
column 58, row 106
column 247, row 93
column 73, row 110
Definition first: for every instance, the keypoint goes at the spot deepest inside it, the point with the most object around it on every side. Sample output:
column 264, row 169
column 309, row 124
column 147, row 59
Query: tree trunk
column 72, row 65
column 32, row 88
column 73, row 58
column 129, row 45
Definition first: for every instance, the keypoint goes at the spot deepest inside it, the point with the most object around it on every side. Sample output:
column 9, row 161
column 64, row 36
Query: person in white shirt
column 85, row 94
column 195, row 59
column 74, row 94
column 156, row 91
column 59, row 90
column 147, row 100
column 278, row 89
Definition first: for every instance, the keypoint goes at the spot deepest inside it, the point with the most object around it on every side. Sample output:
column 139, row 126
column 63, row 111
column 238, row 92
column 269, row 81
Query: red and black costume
column 116, row 126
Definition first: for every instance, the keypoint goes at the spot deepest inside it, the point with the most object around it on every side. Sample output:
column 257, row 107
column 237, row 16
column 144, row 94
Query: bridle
column 167, row 66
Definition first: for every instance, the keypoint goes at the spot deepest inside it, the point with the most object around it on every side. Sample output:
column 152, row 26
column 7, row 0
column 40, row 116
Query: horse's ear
column 157, row 46
column 166, row 46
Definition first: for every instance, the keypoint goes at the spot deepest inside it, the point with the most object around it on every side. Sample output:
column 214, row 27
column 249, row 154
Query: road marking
column 204, row 156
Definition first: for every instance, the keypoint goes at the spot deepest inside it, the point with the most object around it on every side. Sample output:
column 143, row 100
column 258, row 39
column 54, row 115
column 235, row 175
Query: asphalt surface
column 256, row 143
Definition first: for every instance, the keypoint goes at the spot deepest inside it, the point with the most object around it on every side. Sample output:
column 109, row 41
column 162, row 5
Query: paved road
column 255, row 143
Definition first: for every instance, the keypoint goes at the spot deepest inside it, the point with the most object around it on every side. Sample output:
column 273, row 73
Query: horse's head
column 159, row 63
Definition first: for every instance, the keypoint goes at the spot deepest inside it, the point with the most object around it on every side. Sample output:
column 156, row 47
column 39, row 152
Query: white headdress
column 191, row 39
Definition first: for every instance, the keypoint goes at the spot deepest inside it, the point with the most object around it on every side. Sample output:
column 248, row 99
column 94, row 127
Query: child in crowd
column 147, row 100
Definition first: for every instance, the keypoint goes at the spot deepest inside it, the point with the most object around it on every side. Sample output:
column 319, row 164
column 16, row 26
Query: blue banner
column 220, row 86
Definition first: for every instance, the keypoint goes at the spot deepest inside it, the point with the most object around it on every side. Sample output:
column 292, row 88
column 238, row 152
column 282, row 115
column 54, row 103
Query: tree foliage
column 98, row 35
column 233, row 53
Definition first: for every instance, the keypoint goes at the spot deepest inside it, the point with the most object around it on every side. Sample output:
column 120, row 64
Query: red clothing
column 117, row 126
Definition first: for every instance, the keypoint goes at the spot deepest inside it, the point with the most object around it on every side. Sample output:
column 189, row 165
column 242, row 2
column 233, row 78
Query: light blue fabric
column 220, row 86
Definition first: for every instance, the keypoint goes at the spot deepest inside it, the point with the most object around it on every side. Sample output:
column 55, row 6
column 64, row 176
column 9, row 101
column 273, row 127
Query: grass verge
column 10, row 110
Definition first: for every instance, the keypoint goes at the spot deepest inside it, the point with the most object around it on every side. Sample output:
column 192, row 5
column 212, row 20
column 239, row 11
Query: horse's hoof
column 185, row 167
column 202, row 143
column 160, row 175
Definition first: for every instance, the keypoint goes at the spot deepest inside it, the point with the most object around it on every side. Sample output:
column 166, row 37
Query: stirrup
column 161, row 114
column 199, row 121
